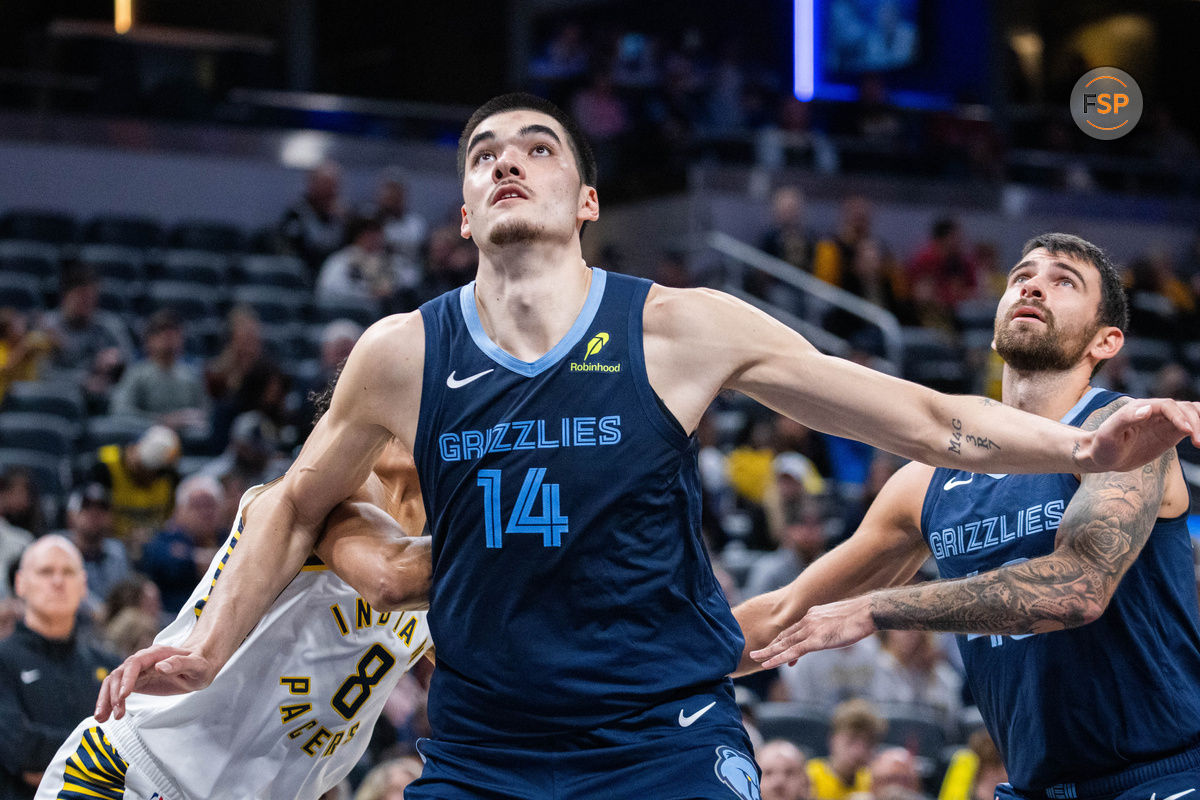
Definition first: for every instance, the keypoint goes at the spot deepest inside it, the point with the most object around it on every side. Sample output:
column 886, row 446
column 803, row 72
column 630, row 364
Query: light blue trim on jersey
column 466, row 301
column 1069, row 417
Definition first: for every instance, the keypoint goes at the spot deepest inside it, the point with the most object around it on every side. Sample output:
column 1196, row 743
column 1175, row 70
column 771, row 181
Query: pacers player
column 1076, row 597
column 583, row 642
column 294, row 709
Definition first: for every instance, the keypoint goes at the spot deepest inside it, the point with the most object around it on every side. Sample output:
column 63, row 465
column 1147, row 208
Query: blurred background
column 203, row 204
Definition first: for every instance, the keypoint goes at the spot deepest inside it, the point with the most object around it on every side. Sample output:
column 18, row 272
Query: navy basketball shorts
column 694, row 748
column 1173, row 778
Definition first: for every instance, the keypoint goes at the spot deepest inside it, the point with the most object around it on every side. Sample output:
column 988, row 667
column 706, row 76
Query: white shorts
column 88, row 767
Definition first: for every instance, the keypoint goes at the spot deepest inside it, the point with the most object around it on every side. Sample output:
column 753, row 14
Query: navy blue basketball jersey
column 1091, row 701
column 571, row 587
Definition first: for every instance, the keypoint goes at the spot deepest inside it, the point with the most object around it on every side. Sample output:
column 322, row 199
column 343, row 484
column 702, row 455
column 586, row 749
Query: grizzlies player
column 583, row 642
column 1076, row 597
column 294, row 709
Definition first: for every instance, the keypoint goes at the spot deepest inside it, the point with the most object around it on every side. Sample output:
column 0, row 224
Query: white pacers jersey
column 292, row 711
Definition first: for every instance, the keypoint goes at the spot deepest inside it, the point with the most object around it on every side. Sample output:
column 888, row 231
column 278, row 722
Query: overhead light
column 304, row 149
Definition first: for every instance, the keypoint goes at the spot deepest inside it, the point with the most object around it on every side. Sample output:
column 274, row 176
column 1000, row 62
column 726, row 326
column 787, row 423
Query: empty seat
column 191, row 301
column 23, row 292
column 214, row 237
column 39, row 225
column 128, row 231
column 935, row 359
column 803, row 725
column 47, row 433
column 28, row 257
column 51, row 474
column 112, row 429
column 914, row 727
column 194, row 265
column 261, row 270
column 64, row 400
column 327, row 309
column 274, row 304
column 114, row 262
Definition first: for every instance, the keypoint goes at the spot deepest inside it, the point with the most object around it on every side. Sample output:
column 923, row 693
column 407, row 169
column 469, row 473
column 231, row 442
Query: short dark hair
column 943, row 227
column 585, row 160
column 1114, row 305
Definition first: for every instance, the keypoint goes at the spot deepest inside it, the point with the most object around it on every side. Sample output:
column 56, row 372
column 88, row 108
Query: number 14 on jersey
column 550, row 523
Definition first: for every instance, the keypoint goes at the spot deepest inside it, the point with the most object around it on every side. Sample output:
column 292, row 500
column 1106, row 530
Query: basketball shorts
column 694, row 748
column 1176, row 776
column 88, row 767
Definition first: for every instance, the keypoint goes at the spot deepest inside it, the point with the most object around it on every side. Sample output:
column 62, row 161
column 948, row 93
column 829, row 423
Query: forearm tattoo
column 1101, row 533
column 957, row 437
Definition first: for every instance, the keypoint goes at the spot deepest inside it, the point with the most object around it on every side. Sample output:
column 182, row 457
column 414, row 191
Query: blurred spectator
column 565, row 57
column 788, row 238
column 875, row 117
column 337, row 340
column 671, row 270
column 132, row 629
column 790, row 491
column 941, row 275
column 87, row 338
column 1160, row 304
column 991, row 273
column 161, row 386
column 388, row 780
column 49, row 673
column 451, row 261
column 141, row 477
column 783, row 773
column 833, row 256
column 250, row 458
column 974, row 770
column 804, row 539
column 911, row 669
column 873, row 276
column 10, row 612
column 894, row 775
column 855, row 731
column 136, row 592
column 312, row 227
column 13, row 541
column 242, row 351
column 21, row 350
column 828, row 677
column 601, row 112
column 177, row 556
column 362, row 270
column 405, row 231
column 90, row 528
column 21, row 501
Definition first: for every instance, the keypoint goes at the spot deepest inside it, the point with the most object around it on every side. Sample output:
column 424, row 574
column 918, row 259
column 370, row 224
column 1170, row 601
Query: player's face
column 52, row 582
column 521, row 183
column 1047, row 318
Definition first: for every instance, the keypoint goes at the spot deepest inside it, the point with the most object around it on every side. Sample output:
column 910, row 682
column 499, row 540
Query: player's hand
column 825, row 627
column 157, row 669
column 1138, row 433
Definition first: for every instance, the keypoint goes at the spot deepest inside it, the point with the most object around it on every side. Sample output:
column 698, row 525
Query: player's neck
column 1049, row 394
column 526, row 307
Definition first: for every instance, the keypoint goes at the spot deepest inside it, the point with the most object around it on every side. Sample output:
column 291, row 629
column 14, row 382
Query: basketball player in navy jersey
column 1076, row 596
column 583, row 642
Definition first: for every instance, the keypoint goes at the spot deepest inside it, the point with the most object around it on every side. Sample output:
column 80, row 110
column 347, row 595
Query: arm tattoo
column 1102, row 531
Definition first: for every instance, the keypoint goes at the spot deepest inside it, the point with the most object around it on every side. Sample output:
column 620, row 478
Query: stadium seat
column 63, row 400
column 114, row 262
column 260, row 270
column 50, row 473
column 274, row 305
column 37, row 225
column 190, row 300
column 1148, row 355
column 803, row 725
column 935, row 359
column 128, row 231
column 208, row 235
column 22, row 292
column 47, row 433
column 112, row 429
column 22, row 256
column 194, row 265
column 914, row 727
column 327, row 309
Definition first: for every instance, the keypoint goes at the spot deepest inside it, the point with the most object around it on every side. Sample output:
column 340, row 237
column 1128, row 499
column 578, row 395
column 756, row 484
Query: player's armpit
column 885, row 550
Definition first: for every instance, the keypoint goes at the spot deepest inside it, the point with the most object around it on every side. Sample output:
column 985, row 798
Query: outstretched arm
column 1101, row 533
column 886, row 550
column 700, row 341
column 335, row 461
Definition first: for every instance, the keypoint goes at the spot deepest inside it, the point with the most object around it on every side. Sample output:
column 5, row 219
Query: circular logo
column 1106, row 103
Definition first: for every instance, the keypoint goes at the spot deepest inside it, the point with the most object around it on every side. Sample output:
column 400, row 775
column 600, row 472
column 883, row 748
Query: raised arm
column 885, row 550
column 700, row 341
column 379, row 384
column 1101, row 533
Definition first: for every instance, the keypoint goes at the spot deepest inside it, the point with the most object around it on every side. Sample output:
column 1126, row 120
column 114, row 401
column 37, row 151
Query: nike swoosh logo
column 1174, row 796
column 687, row 719
column 950, row 484
column 30, row 675
column 455, row 383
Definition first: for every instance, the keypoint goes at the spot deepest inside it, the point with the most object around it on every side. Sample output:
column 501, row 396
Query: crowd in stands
column 149, row 375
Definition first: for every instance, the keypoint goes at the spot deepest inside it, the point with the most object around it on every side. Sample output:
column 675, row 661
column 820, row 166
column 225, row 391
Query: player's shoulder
column 1097, row 416
column 904, row 493
column 396, row 339
column 678, row 310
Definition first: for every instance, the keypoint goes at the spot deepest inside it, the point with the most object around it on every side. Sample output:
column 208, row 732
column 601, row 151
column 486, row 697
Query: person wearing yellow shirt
column 855, row 731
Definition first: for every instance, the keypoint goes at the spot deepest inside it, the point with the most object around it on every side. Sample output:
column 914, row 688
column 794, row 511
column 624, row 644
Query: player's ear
column 1107, row 342
column 464, row 228
column 589, row 204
